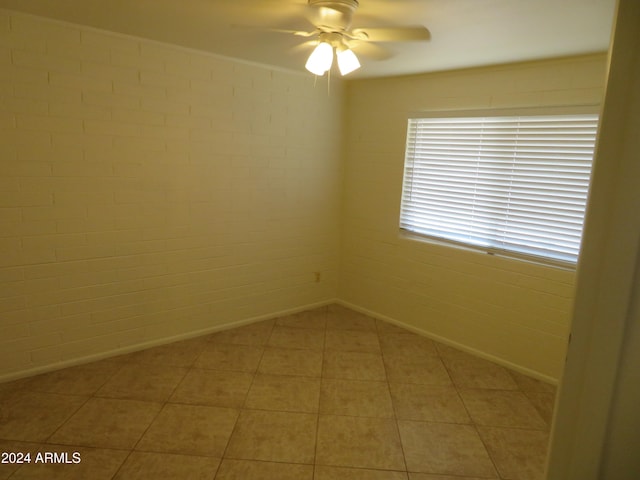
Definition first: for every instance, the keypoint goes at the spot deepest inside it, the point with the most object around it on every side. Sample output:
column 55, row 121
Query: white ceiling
column 465, row 33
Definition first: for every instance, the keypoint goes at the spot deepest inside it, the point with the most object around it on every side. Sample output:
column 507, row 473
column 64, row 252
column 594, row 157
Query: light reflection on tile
column 428, row 403
column 450, row 449
column 274, row 437
column 359, row 442
column 505, row 408
column 517, row 453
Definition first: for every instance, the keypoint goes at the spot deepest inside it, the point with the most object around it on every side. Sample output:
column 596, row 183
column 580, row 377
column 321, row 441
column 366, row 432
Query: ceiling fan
column 332, row 21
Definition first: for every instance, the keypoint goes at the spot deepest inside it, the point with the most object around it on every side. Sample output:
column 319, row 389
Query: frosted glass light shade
column 320, row 59
column 347, row 61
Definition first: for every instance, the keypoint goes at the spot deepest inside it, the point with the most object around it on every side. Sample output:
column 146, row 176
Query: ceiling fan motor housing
column 333, row 15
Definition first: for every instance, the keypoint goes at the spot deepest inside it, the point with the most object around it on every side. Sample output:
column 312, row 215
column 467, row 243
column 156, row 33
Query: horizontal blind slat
column 510, row 183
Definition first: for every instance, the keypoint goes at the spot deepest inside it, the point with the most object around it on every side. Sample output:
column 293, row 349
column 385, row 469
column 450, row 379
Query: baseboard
column 156, row 343
column 446, row 341
column 218, row 328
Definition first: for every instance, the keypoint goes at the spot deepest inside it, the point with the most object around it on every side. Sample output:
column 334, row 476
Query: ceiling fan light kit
column 320, row 59
column 332, row 22
column 347, row 61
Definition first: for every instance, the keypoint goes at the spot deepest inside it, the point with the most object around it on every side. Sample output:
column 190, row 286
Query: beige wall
column 148, row 192
column 512, row 311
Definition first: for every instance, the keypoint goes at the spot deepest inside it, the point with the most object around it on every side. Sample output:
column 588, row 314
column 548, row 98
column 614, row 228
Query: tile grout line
column 393, row 406
column 242, row 407
column 473, row 422
column 164, row 404
column 89, row 397
column 324, row 349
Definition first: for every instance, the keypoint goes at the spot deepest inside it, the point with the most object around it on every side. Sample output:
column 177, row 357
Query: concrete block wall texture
column 149, row 192
column 512, row 311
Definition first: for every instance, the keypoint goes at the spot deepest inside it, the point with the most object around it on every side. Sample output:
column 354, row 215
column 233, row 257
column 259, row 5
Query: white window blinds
column 514, row 183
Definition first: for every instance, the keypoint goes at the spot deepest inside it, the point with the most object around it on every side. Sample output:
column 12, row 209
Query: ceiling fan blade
column 370, row 50
column 304, row 46
column 299, row 33
column 392, row 34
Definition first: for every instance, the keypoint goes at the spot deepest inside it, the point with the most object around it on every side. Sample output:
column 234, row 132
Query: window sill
column 408, row 236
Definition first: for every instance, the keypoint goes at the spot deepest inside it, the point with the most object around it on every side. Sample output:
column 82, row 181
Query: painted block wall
column 508, row 310
column 148, row 192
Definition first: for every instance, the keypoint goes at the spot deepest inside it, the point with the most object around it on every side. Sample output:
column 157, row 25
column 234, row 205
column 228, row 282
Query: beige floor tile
column 544, row 403
column 13, row 386
column 274, row 437
column 219, row 356
column 108, row 423
column 254, row 334
column 316, row 319
column 501, row 408
column 407, row 344
column 359, row 442
column 428, row 403
column 213, row 387
column 445, row 449
column 385, row 328
column 289, row 361
column 258, row 470
column 284, row 393
column 342, row 473
column 190, row 430
column 352, row 341
column 350, row 320
column 178, row 354
column 529, row 384
column 518, row 454
column 34, row 416
column 94, row 463
column 355, row 398
column 468, row 371
column 143, row 382
column 421, row 370
column 80, row 380
column 353, row 365
column 155, row 466
column 428, row 476
column 291, row 337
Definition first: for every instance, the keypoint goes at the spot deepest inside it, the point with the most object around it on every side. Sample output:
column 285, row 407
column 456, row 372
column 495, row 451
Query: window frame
column 585, row 109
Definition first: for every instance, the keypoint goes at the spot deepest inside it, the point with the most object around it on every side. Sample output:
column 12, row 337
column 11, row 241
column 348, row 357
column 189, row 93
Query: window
column 510, row 184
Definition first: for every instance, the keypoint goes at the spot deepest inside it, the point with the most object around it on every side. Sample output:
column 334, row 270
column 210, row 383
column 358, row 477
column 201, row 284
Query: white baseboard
column 218, row 328
column 156, row 343
column 446, row 341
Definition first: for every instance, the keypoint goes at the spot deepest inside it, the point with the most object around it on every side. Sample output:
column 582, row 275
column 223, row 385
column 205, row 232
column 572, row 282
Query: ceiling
column 465, row 33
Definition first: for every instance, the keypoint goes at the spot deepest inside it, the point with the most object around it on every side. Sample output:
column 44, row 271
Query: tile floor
column 323, row 395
